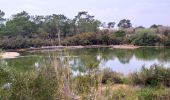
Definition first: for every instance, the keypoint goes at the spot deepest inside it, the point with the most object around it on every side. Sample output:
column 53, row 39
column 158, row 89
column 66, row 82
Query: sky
column 140, row 12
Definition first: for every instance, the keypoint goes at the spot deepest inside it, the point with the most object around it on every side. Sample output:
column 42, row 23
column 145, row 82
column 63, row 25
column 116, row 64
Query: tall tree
column 154, row 26
column 124, row 23
column 85, row 22
column 38, row 20
column 111, row 24
column 20, row 24
column 2, row 19
column 55, row 25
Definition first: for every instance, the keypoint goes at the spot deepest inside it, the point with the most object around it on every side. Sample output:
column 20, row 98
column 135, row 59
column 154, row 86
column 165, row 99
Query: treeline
column 23, row 31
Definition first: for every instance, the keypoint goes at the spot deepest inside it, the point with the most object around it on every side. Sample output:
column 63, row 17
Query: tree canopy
column 125, row 23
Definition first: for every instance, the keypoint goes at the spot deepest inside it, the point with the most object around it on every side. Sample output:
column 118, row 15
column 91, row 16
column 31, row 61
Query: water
column 81, row 60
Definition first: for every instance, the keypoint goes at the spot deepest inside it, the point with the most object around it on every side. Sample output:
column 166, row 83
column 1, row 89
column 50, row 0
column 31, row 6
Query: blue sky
column 140, row 12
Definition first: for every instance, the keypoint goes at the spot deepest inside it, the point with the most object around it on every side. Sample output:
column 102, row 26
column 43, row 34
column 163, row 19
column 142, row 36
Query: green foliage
column 2, row 14
column 111, row 24
column 91, row 39
column 124, row 23
column 154, row 26
column 153, row 76
column 20, row 24
column 83, row 84
column 113, row 77
column 145, row 38
column 166, row 41
column 153, row 94
column 85, row 22
column 4, row 76
column 36, row 31
column 124, row 94
column 30, row 85
column 120, row 33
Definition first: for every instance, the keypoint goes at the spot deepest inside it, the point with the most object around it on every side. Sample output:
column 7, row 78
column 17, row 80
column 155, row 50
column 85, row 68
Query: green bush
column 113, row 77
column 153, row 94
column 4, row 76
column 146, row 38
column 153, row 76
column 119, row 33
column 29, row 85
column 124, row 94
column 25, row 42
column 92, row 39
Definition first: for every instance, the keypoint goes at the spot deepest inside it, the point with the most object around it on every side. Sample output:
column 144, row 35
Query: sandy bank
column 8, row 55
column 125, row 47
column 63, row 47
column 80, row 47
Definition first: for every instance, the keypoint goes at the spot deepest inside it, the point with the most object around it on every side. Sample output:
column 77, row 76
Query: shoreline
column 9, row 55
column 125, row 47
column 79, row 47
column 13, row 53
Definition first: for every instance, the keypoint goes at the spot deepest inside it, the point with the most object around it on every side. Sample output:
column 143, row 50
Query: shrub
column 29, row 85
column 145, row 38
column 153, row 94
column 124, row 94
column 92, row 39
column 153, row 76
column 113, row 77
column 120, row 33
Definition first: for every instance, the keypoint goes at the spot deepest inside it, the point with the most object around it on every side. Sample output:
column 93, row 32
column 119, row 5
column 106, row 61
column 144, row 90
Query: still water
column 119, row 60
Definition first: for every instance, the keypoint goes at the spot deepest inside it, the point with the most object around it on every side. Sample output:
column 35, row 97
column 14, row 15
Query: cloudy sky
column 140, row 12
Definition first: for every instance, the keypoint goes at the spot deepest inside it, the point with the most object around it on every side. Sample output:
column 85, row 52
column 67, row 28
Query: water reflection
column 83, row 60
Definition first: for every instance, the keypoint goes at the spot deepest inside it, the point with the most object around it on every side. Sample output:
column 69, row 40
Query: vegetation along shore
column 22, row 30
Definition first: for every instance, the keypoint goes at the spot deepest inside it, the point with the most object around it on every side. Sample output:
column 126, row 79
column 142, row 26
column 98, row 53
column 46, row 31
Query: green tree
column 38, row 20
column 154, row 26
column 2, row 19
column 54, row 24
column 124, row 23
column 111, row 24
column 85, row 22
column 20, row 24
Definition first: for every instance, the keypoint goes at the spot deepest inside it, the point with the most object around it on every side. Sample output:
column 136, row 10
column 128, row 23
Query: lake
column 119, row 60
